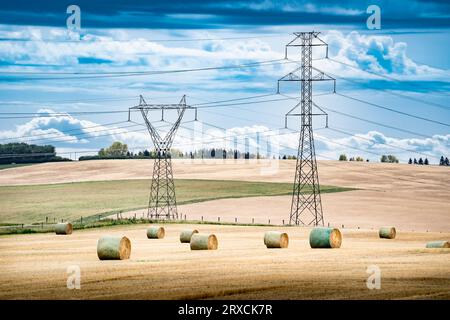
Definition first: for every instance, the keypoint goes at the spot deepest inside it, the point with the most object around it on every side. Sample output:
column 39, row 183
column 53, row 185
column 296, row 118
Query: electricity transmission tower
column 306, row 207
column 162, row 201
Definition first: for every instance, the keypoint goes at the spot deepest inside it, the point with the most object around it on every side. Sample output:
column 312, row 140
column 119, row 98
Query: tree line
column 28, row 153
column 442, row 161
column 119, row 150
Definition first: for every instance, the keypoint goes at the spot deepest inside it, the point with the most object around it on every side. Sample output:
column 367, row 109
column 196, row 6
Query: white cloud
column 68, row 133
column 129, row 50
column 292, row 6
column 380, row 54
column 376, row 142
column 51, row 127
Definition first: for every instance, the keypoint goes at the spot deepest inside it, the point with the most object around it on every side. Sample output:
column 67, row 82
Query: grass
column 70, row 201
column 8, row 166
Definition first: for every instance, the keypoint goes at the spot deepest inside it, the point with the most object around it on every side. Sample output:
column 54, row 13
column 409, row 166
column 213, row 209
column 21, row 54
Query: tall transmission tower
column 306, row 207
column 162, row 200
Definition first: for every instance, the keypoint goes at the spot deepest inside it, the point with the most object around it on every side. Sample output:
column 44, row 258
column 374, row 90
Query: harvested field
column 34, row 266
column 411, row 197
column 33, row 203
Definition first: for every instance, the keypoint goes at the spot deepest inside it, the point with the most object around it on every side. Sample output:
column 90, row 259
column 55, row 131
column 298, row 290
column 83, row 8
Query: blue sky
column 118, row 36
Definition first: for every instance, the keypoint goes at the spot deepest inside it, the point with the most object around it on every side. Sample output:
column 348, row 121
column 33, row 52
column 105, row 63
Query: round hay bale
column 321, row 237
column 438, row 244
column 155, row 233
column 203, row 242
column 387, row 232
column 185, row 235
column 63, row 228
column 276, row 239
column 113, row 248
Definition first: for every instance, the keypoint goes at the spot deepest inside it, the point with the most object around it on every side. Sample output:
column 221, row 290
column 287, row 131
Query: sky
column 392, row 83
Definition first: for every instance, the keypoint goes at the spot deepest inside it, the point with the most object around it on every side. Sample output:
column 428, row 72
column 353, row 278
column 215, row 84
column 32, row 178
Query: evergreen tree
column 410, row 161
column 426, row 162
column 420, row 161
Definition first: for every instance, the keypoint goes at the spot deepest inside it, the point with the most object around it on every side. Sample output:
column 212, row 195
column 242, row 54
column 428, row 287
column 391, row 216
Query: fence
column 131, row 218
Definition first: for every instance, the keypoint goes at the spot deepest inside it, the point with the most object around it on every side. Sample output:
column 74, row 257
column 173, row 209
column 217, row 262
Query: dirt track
column 34, row 266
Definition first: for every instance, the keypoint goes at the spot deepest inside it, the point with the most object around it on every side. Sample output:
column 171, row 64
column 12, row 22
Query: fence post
column 342, row 226
column 218, row 219
column 283, row 222
column 253, row 220
column 42, row 225
column 235, row 220
column 202, row 218
column 269, row 221
column 46, row 219
column 184, row 217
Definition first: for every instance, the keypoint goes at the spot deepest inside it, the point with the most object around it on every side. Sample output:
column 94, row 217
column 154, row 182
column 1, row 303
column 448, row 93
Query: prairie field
column 414, row 199
column 33, row 203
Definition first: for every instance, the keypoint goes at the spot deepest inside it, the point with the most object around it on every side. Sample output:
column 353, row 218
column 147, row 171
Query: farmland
column 33, row 203
column 34, row 266
column 414, row 199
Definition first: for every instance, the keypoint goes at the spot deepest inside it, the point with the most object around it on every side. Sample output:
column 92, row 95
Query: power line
column 55, row 114
column 374, row 122
column 74, row 137
column 242, row 103
column 349, row 134
column 382, row 143
column 392, row 110
column 434, row 104
column 229, row 100
column 377, row 74
column 95, row 75
column 106, row 99
column 100, row 41
column 65, row 131
column 26, row 115
column 369, row 121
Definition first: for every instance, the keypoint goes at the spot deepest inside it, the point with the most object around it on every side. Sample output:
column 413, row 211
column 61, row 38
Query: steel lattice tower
column 306, row 207
column 162, row 201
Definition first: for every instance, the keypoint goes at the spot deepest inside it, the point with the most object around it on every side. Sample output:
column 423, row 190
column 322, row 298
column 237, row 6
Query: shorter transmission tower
column 162, row 200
